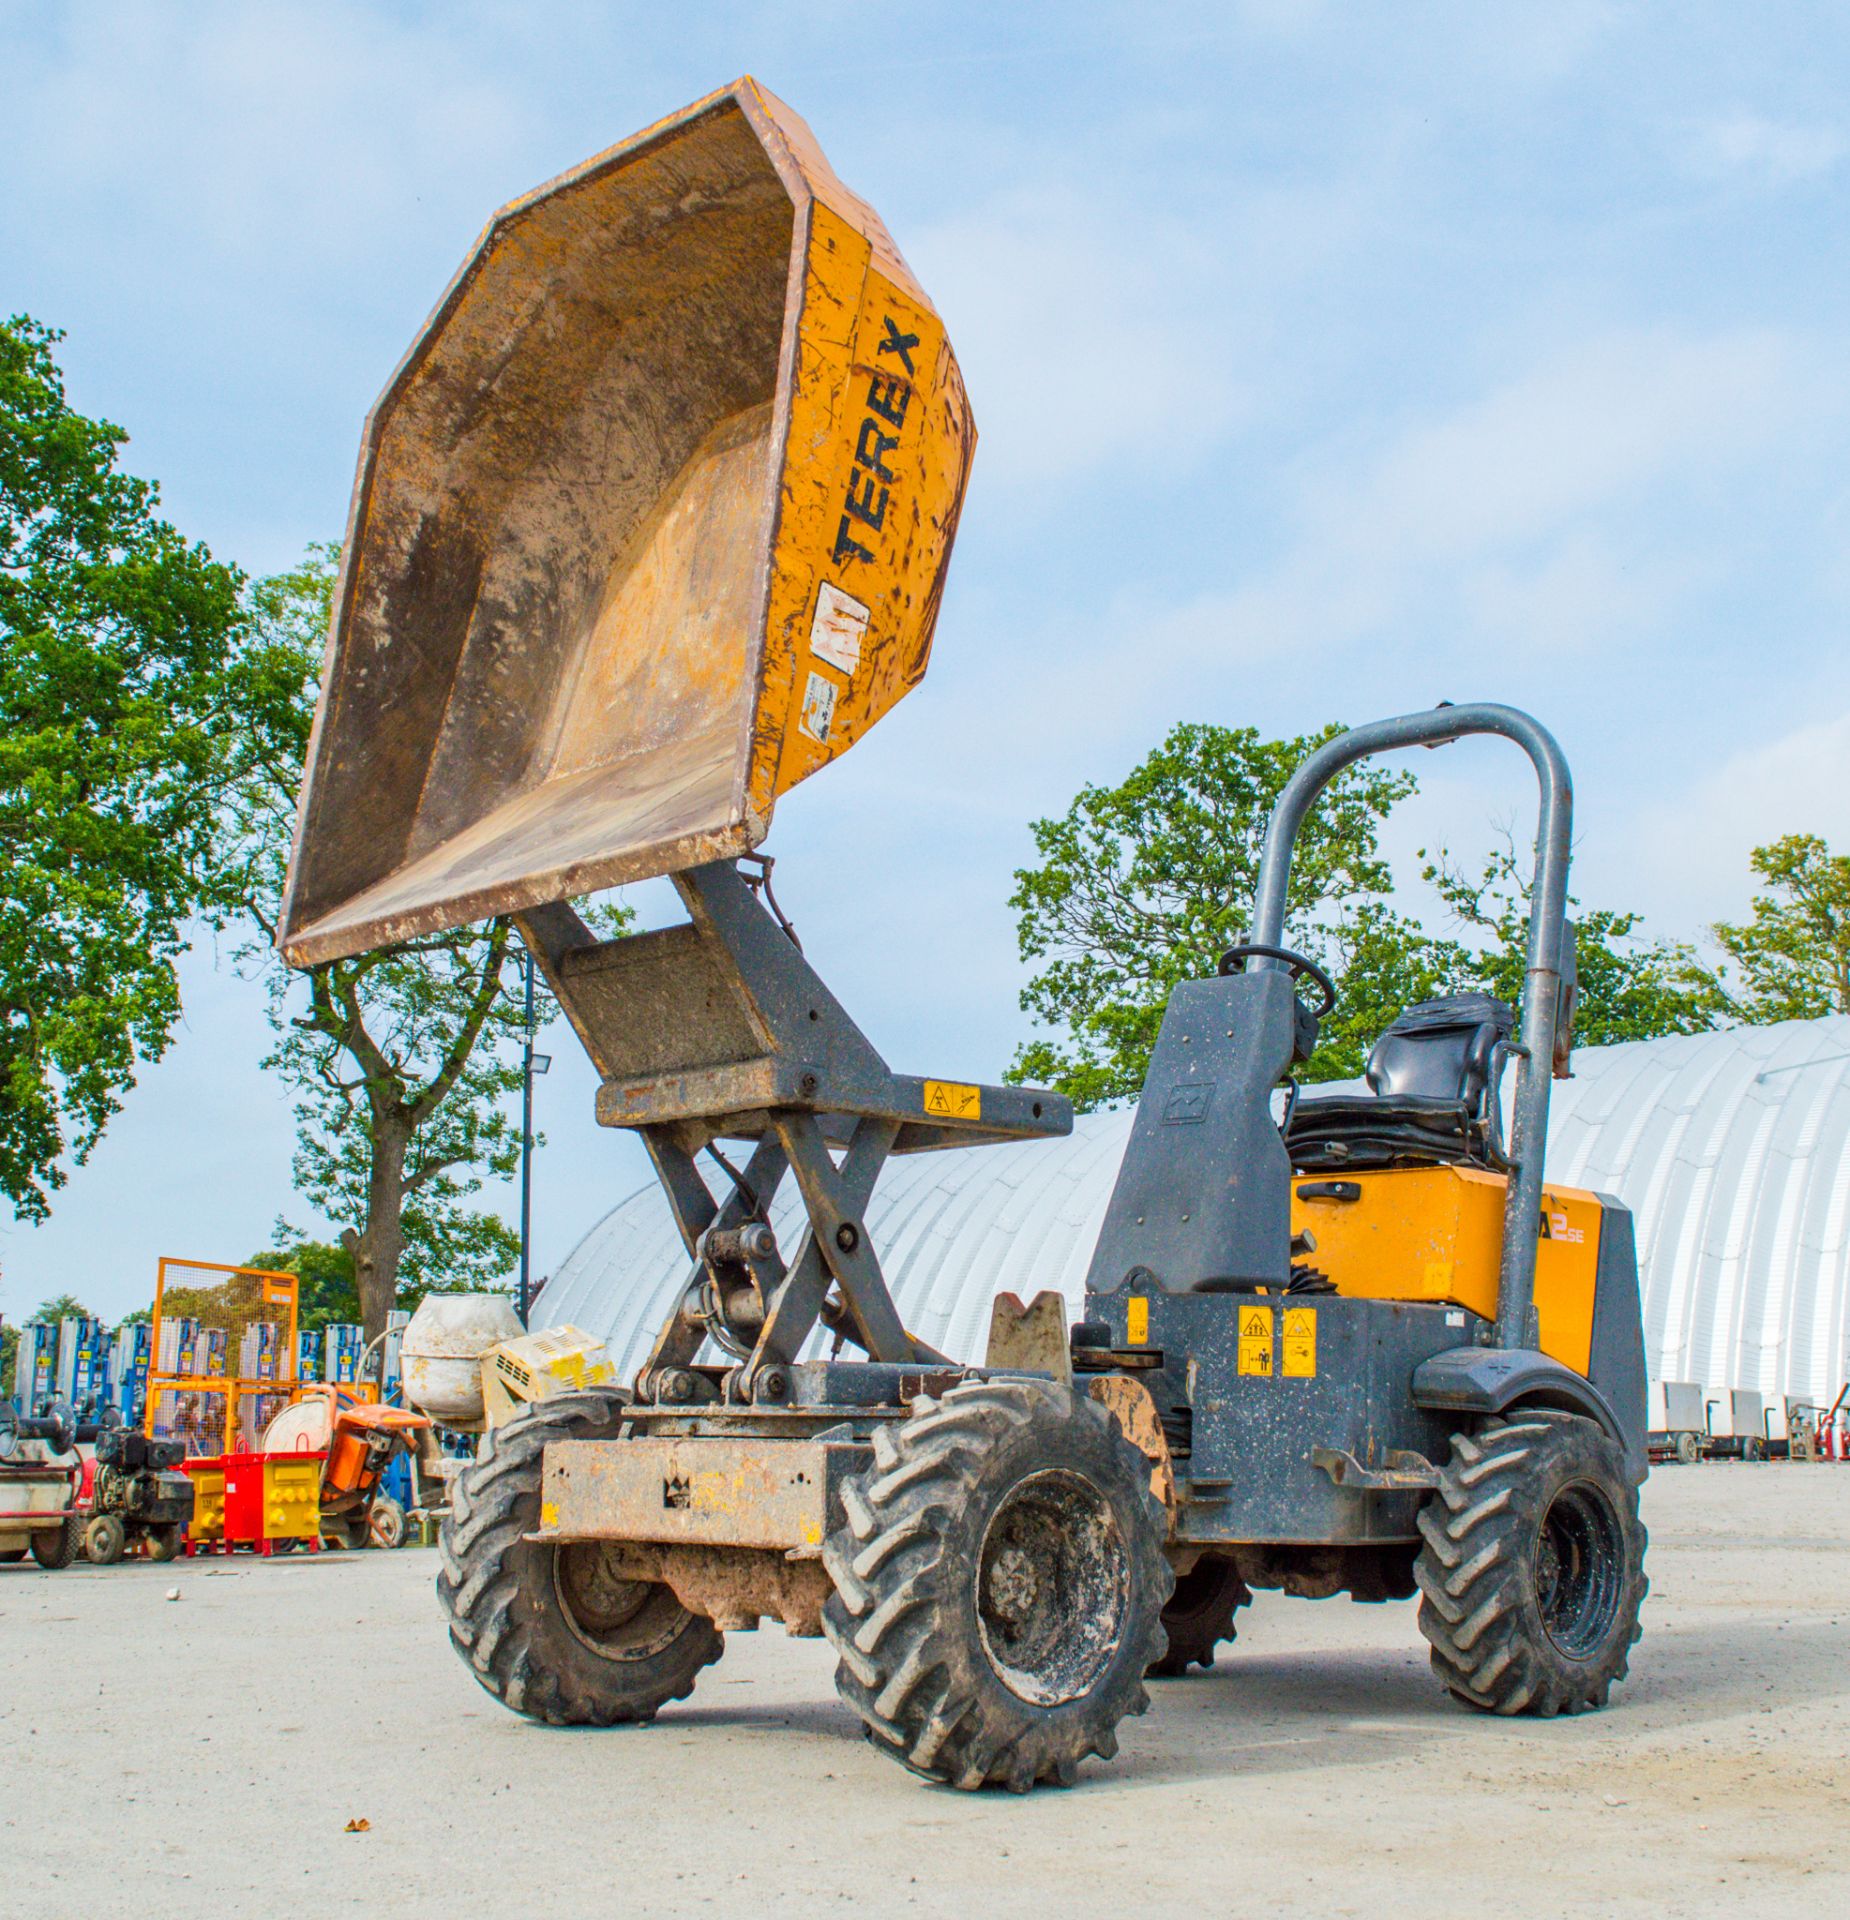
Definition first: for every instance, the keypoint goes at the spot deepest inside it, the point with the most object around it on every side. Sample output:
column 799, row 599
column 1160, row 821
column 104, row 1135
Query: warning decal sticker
column 948, row 1101
column 1256, row 1340
column 1300, row 1357
column 1137, row 1321
column 818, row 708
column 840, row 625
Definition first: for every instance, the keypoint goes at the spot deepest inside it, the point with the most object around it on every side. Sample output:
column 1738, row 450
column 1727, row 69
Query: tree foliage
column 1145, row 884
column 114, row 632
column 402, row 1061
column 1792, row 953
column 1630, row 988
column 325, row 1293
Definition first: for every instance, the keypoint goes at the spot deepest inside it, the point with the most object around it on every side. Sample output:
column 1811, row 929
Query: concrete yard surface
column 205, row 1755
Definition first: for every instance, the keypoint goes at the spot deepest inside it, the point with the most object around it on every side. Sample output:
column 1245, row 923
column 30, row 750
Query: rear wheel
column 1199, row 1616
column 999, row 1585
column 57, row 1547
column 105, row 1540
column 556, row 1632
column 1688, row 1451
column 1532, row 1570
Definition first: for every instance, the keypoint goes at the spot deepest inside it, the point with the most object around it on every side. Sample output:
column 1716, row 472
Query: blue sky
column 1329, row 360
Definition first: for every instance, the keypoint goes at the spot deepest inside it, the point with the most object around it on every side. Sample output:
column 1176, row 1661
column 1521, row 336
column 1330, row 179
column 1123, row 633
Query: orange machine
column 359, row 1440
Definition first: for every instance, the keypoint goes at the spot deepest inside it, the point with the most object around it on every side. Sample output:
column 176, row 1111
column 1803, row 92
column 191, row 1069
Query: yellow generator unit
column 539, row 1365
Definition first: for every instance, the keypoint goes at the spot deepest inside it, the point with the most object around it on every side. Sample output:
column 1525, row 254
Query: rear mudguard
column 1493, row 1380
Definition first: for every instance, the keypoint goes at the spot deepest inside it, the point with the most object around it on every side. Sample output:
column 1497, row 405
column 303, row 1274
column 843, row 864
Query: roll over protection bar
column 1542, row 979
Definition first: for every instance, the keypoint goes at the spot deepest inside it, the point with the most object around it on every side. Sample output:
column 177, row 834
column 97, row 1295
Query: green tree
column 1145, row 884
column 402, row 1061
column 325, row 1293
column 63, row 1306
column 1793, row 952
column 113, row 635
column 1630, row 988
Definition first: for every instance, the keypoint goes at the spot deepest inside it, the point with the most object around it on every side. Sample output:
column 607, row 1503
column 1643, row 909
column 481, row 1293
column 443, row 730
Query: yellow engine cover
column 1436, row 1234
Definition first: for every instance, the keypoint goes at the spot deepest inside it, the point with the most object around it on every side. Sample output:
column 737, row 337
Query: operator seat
column 1434, row 1078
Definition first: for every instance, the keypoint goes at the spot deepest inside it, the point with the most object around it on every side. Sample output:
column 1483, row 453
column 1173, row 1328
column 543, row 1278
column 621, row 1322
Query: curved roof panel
column 1731, row 1148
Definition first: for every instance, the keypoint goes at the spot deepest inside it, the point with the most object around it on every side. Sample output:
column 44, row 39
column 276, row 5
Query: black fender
column 1491, row 1380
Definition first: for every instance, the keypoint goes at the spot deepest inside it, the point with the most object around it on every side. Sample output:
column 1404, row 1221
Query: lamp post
column 530, row 1064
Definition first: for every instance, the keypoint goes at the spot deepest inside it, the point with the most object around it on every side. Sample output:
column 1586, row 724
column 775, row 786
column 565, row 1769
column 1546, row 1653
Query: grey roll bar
column 1541, row 996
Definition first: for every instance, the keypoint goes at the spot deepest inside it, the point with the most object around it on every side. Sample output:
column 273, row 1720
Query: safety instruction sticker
column 818, row 708
column 1300, row 1356
column 948, row 1101
column 1256, row 1340
column 840, row 625
column 1137, row 1321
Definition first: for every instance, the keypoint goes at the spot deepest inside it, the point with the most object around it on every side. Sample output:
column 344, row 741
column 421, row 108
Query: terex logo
column 870, row 479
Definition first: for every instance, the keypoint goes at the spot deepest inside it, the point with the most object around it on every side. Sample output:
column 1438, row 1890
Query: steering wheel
column 1298, row 965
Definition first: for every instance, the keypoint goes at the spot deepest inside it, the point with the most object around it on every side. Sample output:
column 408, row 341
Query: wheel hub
column 1579, row 1565
column 623, row 1618
column 1052, row 1588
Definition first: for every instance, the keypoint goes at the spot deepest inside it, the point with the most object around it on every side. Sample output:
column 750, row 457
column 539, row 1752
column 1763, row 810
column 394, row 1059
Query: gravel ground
column 205, row 1755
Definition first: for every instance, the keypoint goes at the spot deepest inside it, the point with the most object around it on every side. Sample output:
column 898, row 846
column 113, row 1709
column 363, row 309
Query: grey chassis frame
column 719, row 1029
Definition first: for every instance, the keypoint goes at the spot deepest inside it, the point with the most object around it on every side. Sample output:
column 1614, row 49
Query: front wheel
column 1532, row 1571
column 999, row 1585
column 554, row 1630
column 105, row 1540
column 57, row 1547
column 165, row 1543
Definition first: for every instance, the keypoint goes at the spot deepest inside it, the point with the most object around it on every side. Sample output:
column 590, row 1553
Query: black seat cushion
column 1435, row 1076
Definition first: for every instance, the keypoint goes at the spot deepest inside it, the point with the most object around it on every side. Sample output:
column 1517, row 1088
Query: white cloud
column 1108, row 329
column 1080, row 327
column 1502, row 509
column 1748, row 147
column 1689, row 848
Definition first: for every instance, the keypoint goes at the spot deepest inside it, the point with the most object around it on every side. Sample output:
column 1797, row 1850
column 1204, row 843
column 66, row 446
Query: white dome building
column 1731, row 1148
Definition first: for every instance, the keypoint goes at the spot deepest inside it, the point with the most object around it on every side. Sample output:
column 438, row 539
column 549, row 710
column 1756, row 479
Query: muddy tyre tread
column 499, row 1628
column 55, row 1551
column 892, row 1617
column 1477, row 1606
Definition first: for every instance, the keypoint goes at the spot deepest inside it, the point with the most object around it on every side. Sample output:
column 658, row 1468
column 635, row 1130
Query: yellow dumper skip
column 651, row 522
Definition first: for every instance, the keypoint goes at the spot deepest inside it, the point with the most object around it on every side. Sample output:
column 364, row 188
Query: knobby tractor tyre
column 999, row 1585
column 57, row 1547
column 1532, row 1568
column 1199, row 1616
column 550, row 1630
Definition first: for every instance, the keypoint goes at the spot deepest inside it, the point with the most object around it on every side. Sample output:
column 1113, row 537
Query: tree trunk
column 378, row 1245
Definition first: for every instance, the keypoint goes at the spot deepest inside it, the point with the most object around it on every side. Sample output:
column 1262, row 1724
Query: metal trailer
column 651, row 523
column 1678, row 1421
column 1746, row 1435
